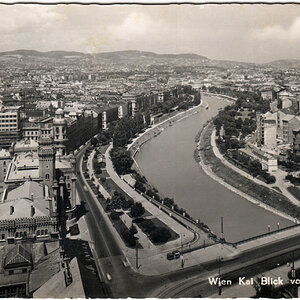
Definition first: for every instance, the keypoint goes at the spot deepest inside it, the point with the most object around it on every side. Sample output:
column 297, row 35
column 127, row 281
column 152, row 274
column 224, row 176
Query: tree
column 255, row 168
column 115, row 215
column 94, row 142
column 121, row 160
column 160, row 235
column 137, row 210
column 132, row 230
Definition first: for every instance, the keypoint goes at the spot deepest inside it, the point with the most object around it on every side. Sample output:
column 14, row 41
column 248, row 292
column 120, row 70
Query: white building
column 266, row 129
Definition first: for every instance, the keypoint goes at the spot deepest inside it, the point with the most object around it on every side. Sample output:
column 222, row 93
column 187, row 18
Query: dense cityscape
column 138, row 174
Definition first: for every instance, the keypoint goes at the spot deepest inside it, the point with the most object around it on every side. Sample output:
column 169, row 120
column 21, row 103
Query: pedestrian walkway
column 267, row 239
column 279, row 173
column 143, row 238
column 210, row 173
column 91, row 171
column 186, row 235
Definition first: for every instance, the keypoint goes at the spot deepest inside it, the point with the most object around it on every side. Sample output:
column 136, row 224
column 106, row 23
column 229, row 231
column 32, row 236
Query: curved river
column 167, row 162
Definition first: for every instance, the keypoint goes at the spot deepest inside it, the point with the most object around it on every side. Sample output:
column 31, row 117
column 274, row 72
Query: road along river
column 168, row 164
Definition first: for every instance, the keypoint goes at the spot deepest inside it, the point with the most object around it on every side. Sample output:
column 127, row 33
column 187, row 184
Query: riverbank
column 156, row 129
column 253, row 192
column 231, row 99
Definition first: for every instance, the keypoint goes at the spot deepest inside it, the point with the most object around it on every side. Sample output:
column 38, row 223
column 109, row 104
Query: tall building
column 9, row 125
column 296, row 140
column 266, row 129
column 289, row 123
column 46, row 154
column 60, row 132
column 5, row 160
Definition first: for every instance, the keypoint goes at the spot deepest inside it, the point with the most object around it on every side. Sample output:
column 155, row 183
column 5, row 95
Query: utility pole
column 136, row 256
column 182, row 260
column 219, row 266
column 181, row 243
column 222, row 229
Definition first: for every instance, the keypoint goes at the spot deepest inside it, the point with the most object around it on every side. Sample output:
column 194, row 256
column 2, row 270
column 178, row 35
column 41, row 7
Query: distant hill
column 34, row 53
column 116, row 55
column 135, row 54
column 287, row 63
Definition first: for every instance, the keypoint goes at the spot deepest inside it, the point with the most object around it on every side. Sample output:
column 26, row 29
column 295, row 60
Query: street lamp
column 219, row 267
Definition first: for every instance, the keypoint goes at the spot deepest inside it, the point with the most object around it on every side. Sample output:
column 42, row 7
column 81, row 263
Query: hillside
column 116, row 55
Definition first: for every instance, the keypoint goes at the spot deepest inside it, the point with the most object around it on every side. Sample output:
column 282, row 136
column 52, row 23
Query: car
column 85, row 188
column 108, row 276
column 125, row 263
column 170, row 256
column 176, row 253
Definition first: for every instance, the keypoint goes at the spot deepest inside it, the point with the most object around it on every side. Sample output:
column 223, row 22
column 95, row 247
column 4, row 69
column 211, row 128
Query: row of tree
column 253, row 166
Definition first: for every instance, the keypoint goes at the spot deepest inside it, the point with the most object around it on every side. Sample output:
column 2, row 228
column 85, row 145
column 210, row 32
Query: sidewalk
column 279, row 173
column 90, row 169
column 152, row 259
column 210, row 173
column 186, row 234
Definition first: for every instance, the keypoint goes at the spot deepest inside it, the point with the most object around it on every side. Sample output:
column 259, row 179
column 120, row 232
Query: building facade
column 9, row 125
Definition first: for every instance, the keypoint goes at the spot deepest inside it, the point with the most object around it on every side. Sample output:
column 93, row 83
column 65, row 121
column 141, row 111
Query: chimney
column 11, row 209
column 32, row 211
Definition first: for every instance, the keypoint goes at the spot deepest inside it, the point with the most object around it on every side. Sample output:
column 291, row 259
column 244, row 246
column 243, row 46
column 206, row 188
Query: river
column 168, row 164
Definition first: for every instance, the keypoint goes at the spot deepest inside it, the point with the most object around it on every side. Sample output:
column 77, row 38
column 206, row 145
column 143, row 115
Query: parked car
column 170, row 256
column 176, row 254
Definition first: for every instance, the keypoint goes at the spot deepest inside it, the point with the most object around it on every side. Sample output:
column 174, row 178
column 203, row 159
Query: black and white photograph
column 149, row 150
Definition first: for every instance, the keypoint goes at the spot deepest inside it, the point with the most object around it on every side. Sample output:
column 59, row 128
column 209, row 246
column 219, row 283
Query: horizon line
column 135, row 50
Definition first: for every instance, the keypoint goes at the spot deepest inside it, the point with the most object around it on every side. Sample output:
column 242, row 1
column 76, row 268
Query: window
column 3, row 236
column 11, row 272
column 4, row 163
column 47, row 176
column 38, row 233
column 24, row 270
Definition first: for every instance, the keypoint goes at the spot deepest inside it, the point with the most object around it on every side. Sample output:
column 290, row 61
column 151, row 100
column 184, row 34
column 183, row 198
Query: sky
column 250, row 33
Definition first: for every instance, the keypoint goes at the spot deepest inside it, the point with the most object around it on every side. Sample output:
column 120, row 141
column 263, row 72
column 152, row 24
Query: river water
column 168, row 164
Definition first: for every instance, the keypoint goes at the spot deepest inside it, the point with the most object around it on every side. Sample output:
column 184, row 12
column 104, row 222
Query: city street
column 187, row 282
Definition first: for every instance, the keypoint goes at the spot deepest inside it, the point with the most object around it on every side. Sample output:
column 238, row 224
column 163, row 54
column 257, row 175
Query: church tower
column 46, row 153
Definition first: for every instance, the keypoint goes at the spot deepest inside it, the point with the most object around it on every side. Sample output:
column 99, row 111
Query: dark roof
column 17, row 256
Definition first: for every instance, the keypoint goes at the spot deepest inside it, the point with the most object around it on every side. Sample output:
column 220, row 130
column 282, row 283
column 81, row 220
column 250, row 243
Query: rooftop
column 27, row 144
column 4, row 153
column 55, row 287
column 16, row 256
column 28, row 200
column 23, row 166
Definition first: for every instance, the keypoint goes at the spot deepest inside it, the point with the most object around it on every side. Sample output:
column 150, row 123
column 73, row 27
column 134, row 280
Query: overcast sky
column 253, row 33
